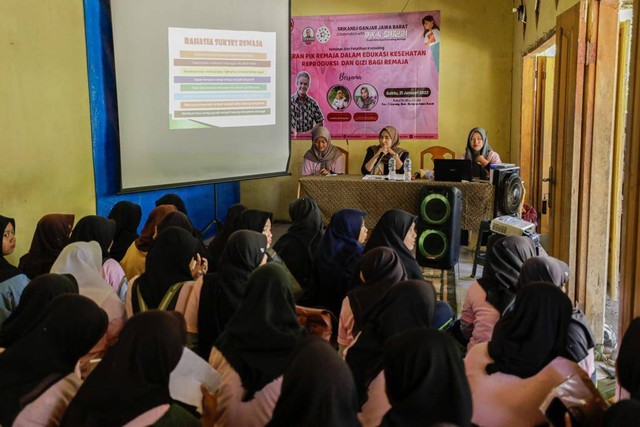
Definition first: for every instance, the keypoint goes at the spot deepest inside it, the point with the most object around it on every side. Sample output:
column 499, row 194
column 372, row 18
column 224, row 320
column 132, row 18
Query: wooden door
column 544, row 79
column 564, row 177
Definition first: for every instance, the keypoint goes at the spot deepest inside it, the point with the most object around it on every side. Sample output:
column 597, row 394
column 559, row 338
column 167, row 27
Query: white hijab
column 84, row 261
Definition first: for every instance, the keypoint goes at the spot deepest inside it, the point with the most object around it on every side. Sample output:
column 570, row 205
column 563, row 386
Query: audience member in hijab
column 299, row 244
column 102, row 230
column 174, row 200
column 409, row 304
column 337, row 260
column 51, row 235
column 317, row 389
column 380, row 269
column 127, row 216
column 580, row 341
column 216, row 299
column 12, row 279
column 35, row 297
column 322, row 158
column 396, row 230
column 216, row 246
column 83, row 260
column 37, row 377
column 491, row 295
column 256, row 220
column 131, row 384
column 255, row 349
column 628, row 362
column 625, row 413
column 168, row 279
column 178, row 219
column 376, row 159
column 512, row 374
column 478, row 148
column 133, row 261
column 425, row 380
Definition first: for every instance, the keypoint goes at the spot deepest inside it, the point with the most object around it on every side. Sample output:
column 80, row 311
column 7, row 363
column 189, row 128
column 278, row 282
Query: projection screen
column 202, row 90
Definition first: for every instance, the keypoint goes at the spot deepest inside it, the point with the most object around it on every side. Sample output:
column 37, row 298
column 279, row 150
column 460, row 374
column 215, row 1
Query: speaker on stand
column 438, row 227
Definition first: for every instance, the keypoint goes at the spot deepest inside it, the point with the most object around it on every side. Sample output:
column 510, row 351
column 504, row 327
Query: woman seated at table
column 376, row 160
column 322, row 158
column 478, row 148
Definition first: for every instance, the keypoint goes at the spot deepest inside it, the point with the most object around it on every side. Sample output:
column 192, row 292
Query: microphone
column 375, row 165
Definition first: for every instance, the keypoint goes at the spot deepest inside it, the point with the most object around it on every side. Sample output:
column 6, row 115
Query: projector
column 512, row 226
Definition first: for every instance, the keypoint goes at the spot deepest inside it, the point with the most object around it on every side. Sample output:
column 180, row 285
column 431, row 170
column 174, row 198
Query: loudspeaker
column 509, row 190
column 438, row 227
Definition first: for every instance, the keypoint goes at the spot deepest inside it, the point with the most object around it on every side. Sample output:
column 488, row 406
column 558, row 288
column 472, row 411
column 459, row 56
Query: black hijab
column 50, row 237
column 95, row 227
column 381, row 268
column 409, row 304
column 628, row 362
column 223, row 292
column 254, row 220
column 505, row 256
column 337, row 259
column 625, row 413
column 425, row 380
column 260, row 338
column 216, row 246
column 390, row 231
column 167, row 264
column 49, row 352
column 172, row 199
column 33, row 301
column 127, row 216
column 133, row 376
column 300, row 243
column 178, row 219
column 317, row 389
column 7, row 271
column 580, row 338
column 533, row 334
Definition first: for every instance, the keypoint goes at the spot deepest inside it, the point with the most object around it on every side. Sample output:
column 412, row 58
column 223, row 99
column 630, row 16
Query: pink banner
column 359, row 73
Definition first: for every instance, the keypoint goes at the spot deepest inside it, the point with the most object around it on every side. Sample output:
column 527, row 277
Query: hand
column 198, row 266
column 209, row 407
column 324, row 171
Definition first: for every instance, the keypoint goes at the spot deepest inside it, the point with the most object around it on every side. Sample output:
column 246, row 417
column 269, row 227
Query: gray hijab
column 470, row 153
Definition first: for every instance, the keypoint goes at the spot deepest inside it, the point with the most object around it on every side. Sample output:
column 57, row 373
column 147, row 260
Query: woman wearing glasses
column 376, row 161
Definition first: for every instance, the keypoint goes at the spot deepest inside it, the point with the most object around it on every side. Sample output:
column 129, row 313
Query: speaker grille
column 433, row 244
column 435, row 209
column 511, row 197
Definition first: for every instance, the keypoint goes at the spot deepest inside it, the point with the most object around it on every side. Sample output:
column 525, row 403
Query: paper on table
column 374, row 177
column 185, row 380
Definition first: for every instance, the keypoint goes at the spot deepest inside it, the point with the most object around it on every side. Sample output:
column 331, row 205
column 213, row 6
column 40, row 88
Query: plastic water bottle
column 407, row 169
column 392, row 168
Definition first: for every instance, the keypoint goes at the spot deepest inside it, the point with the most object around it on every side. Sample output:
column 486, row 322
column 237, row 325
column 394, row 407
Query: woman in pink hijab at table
column 323, row 158
column 51, row 235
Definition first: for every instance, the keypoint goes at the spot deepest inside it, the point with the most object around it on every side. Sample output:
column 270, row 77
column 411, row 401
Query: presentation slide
column 202, row 90
column 221, row 78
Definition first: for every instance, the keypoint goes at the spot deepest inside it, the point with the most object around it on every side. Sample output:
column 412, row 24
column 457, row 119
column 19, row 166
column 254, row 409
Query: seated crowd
column 95, row 319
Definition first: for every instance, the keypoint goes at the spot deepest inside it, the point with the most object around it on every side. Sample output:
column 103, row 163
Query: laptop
column 454, row 170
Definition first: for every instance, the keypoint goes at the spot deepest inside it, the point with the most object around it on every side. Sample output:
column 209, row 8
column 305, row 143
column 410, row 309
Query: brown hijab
column 51, row 236
column 145, row 241
column 395, row 146
column 323, row 157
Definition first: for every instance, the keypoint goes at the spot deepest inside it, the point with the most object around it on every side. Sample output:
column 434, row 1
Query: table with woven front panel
column 376, row 197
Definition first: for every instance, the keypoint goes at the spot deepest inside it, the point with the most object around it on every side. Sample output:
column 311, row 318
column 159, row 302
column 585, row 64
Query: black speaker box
column 509, row 190
column 438, row 227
